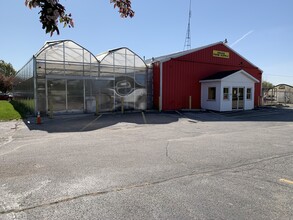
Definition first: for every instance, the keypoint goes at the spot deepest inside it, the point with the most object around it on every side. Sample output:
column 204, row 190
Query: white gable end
column 240, row 76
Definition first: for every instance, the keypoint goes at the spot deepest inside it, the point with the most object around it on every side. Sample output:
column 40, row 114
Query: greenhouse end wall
column 128, row 87
column 64, row 77
column 24, row 86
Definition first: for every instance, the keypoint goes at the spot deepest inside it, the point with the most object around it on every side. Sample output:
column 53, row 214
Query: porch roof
column 219, row 76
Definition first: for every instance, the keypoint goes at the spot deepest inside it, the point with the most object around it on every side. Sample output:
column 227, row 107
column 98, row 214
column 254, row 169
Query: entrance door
column 75, row 96
column 56, row 98
column 237, row 98
column 65, row 95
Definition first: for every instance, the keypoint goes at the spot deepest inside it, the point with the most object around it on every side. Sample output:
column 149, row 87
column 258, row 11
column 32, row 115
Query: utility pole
column 187, row 43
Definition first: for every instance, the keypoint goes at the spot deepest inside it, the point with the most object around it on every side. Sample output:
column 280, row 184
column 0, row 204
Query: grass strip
column 8, row 112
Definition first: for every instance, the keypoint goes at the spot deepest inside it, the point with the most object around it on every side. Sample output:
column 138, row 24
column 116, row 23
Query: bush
column 23, row 110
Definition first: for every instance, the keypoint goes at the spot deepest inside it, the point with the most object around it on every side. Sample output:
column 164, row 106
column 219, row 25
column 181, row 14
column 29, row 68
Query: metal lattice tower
column 187, row 43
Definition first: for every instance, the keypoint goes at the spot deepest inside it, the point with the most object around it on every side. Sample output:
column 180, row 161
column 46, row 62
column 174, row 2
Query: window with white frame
column 226, row 93
column 248, row 93
column 212, row 93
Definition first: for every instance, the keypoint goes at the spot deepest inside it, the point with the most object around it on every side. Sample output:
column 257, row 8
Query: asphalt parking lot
column 149, row 165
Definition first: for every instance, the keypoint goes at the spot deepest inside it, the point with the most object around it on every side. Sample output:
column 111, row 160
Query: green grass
column 7, row 111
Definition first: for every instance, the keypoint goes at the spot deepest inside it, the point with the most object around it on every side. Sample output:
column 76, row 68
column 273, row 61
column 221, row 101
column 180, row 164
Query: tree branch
column 52, row 13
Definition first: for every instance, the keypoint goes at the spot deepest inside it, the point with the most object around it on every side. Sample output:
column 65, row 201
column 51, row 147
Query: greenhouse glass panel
column 57, row 95
column 109, row 60
column 23, row 90
column 130, row 73
column 75, row 95
column 105, row 95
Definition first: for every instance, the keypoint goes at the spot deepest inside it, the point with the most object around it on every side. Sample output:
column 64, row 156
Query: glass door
column 237, row 98
column 240, row 98
column 75, row 95
column 56, row 95
column 65, row 95
column 234, row 98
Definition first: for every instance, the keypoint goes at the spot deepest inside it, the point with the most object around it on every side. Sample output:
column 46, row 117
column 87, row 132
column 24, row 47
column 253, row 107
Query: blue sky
column 260, row 30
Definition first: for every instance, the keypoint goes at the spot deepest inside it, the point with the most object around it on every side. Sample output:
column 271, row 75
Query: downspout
column 260, row 102
column 83, row 81
column 161, row 87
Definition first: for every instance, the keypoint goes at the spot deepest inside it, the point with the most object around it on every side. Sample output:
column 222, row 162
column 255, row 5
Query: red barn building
column 179, row 79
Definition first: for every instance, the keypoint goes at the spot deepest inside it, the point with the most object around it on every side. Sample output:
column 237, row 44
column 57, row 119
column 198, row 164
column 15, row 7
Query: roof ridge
column 166, row 57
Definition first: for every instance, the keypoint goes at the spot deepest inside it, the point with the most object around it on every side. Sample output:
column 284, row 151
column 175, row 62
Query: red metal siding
column 256, row 73
column 179, row 82
column 181, row 76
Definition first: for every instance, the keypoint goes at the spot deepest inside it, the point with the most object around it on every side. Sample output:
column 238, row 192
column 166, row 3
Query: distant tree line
column 7, row 73
column 267, row 85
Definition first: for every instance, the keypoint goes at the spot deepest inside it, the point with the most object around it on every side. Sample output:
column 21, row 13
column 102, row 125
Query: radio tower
column 187, row 44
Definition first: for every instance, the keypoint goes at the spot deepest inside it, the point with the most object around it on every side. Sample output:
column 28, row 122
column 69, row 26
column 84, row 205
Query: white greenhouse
column 64, row 77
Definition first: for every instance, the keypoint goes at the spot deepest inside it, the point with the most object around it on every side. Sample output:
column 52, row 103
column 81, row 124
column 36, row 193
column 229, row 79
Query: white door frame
column 238, row 98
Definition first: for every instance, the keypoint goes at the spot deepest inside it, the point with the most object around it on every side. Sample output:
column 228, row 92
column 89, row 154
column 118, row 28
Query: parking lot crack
column 142, row 185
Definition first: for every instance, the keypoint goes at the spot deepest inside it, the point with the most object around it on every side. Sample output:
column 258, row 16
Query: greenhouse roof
column 122, row 56
column 65, row 50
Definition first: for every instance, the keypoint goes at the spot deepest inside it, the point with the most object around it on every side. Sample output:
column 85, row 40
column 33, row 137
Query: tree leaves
column 124, row 7
column 6, row 69
column 52, row 13
column 267, row 85
column 6, row 83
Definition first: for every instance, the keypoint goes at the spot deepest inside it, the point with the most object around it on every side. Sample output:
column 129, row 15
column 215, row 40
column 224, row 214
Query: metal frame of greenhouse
column 64, row 77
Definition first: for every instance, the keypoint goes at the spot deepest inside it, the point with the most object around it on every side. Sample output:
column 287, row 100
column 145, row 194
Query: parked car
column 6, row 96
